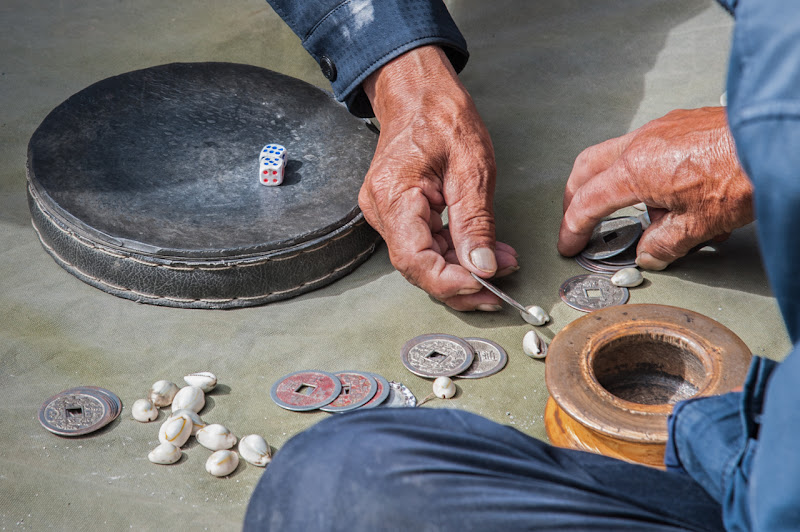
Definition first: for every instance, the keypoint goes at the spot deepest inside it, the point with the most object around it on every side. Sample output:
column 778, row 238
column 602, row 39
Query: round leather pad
column 146, row 186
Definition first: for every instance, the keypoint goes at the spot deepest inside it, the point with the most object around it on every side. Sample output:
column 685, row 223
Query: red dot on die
column 266, row 171
column 274, row 172
column 274, row 180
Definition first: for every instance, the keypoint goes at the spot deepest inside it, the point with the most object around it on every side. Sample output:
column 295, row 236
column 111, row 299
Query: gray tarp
column 549, row 78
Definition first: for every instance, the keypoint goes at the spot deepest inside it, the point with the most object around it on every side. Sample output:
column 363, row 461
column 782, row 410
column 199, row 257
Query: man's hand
column 683, row 166
column 434, row 152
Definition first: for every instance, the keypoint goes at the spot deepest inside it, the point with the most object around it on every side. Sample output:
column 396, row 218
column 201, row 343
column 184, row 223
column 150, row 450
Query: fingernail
column 649, row 262
column 483, row 259
column 507, row 271
column 486, row 307
column 468, row 291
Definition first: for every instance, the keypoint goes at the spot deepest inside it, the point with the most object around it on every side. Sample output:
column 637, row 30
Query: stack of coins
column 79, row 411
column 612, row 246
column 344, row 391
column 626, row 259
column 444, row 355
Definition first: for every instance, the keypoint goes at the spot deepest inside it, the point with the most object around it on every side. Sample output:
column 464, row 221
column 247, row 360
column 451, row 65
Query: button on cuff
column 328, row 68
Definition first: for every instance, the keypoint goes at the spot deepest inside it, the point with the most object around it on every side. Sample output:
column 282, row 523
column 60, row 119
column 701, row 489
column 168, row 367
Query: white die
column 271, row 172
column 272, row 165
column 275, row 150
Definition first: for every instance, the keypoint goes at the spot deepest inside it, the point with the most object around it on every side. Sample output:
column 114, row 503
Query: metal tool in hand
column 499, row 293
column 534, row 315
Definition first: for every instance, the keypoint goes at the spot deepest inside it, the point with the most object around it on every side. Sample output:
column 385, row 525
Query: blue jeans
column 423, row 469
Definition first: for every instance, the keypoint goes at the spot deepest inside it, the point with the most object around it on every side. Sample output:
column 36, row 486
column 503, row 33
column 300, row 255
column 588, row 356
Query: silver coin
column 381, row 394
column 613, row 268
column 612, row 237
column 489, row 359
column 357, row 390
column 305, row 390
column 399, row 396
column 79, row 411
column 113, row 400
column 610, row 265
column 437, row 355
column 592, row 265
column 626, row 259
column 592, row 292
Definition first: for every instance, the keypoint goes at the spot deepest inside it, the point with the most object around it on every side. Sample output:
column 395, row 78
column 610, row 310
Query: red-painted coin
column 306, row 390
column 357, row 390
column 381, row 394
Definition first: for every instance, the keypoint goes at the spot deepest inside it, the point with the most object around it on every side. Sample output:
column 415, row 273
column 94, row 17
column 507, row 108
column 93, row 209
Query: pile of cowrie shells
column 184, row 422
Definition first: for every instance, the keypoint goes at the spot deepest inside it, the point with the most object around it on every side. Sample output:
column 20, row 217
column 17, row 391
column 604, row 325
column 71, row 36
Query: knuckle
column 633, row 160
column 365, row 201
column 418, row 275
column 662, row 250
column 482, row 220
column 584, row 158
column 672, row 240
column 476, row 224
column 403, row 265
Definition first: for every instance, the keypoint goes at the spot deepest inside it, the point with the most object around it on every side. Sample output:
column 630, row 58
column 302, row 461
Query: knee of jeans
column 354, row 464
column 351, row 449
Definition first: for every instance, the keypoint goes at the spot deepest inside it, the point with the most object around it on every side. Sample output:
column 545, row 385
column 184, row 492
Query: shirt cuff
column 359, row 36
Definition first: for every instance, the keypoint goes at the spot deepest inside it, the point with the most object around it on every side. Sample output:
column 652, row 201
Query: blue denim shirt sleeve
column 351, row 39
column 729, row 5
column 764, row 116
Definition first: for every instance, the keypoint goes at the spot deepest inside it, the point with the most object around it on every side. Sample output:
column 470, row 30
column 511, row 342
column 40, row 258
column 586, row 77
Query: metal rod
column 499, row 293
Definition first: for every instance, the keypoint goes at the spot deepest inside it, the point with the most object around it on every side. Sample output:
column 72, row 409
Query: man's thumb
column 472, row 231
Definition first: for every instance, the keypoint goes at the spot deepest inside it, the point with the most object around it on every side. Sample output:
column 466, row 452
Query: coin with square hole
column 626, row 259
column 357, row 389
column 381, row 394
column 306, row 390
column 113, row 400
column 592, row 292
column 437, row 355
column 612, row 237
column 489, row 359
column 79, row 411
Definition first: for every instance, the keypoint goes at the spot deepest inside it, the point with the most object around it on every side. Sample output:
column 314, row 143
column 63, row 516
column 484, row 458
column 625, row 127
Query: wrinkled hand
column 683, row 166
column 434, row 152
